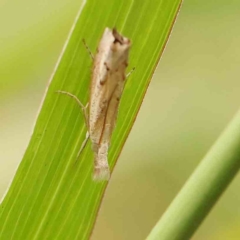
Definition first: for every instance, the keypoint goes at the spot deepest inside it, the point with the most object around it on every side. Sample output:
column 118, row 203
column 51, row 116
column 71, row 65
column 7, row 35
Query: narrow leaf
column 52, row 196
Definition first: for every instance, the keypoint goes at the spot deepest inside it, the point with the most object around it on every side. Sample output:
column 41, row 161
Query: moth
column 107, row 84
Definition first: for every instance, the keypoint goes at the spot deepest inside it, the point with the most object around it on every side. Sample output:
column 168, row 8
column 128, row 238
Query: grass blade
column 50, row 196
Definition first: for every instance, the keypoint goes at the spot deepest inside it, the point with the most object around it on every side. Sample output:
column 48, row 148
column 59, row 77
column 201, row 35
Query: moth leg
column 88, row 49
column 130, row 72
column 84, row 108
column 83, row 144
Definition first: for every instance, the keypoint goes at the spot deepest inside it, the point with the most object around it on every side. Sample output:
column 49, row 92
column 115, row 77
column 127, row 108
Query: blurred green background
column 192, row 97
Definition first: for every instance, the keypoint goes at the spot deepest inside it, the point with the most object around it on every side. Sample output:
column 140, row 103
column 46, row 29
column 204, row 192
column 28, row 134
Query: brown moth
column 107, row 83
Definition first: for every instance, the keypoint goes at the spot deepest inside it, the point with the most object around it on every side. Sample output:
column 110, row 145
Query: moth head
column 114, row 49
column 120, row 42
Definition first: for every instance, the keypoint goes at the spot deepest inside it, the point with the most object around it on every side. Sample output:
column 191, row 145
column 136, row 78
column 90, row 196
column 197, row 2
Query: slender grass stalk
column 203, row 189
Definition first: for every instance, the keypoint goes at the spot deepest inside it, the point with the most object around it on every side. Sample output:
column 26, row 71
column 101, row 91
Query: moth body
column 108, row 79
column 107, row 83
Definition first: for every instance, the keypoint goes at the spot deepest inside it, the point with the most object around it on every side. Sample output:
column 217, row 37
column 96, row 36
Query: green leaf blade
column 51, row 196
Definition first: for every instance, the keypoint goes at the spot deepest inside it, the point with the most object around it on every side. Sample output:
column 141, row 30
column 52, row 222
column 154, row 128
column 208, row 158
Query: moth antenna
column 88, row 49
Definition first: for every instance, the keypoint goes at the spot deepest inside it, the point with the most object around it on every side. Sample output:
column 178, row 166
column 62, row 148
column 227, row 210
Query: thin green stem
column 203, row 189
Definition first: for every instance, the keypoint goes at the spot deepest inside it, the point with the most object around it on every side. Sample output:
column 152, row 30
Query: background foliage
column 193, row 96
